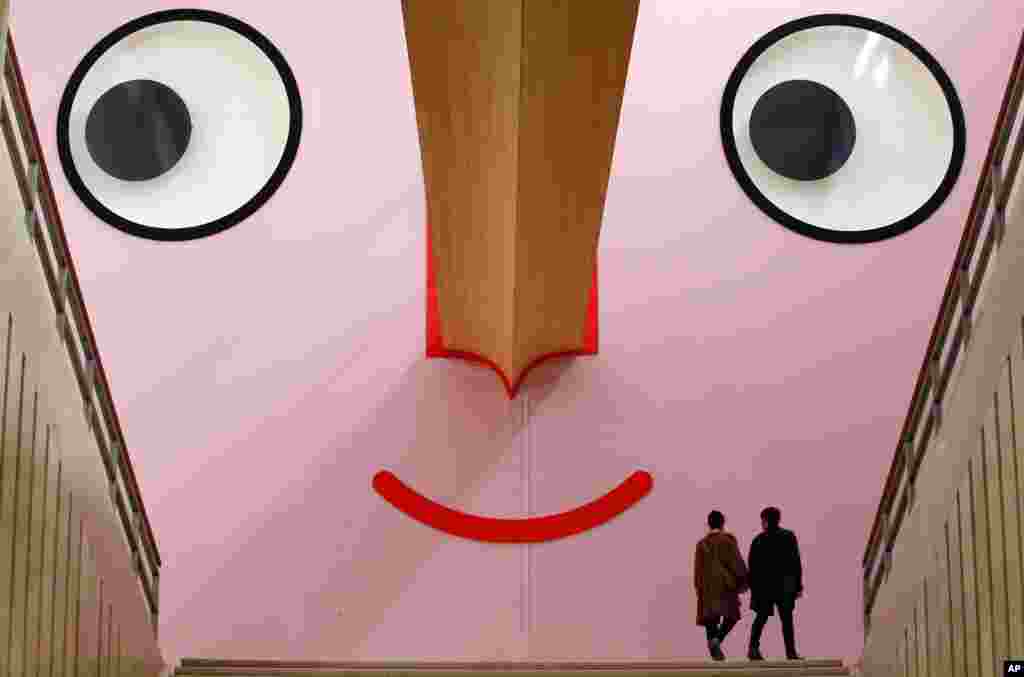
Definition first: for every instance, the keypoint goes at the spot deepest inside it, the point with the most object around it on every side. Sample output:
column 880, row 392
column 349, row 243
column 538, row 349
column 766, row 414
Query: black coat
column 776, row 573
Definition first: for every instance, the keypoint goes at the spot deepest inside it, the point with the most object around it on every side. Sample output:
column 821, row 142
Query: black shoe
column 715, row 648
column 793, row 656
column 754, row 654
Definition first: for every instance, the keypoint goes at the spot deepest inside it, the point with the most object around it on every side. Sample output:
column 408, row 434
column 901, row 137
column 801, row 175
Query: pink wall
column 265, row 374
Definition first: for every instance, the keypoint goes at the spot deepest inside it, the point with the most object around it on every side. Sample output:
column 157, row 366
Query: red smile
column 527, row 530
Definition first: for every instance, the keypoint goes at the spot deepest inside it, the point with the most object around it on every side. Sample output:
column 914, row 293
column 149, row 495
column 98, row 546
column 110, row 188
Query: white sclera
column 904, row 127
column 240, row 122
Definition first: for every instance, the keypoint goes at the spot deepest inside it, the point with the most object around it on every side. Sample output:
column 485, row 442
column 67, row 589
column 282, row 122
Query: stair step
column 707, row 671
column 200, row 667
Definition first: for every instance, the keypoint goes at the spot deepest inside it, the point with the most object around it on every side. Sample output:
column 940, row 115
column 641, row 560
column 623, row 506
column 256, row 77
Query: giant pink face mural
column 267, row 372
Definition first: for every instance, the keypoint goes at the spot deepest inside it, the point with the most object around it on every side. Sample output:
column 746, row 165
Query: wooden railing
column 43, row 224
column 983, row 233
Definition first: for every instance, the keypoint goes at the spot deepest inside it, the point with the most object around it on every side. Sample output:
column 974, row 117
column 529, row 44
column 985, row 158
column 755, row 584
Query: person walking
column 776, row 581
column 720, row 575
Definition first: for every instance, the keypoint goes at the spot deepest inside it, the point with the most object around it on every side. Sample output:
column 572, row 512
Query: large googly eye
column 179, row 124
column 843, row 128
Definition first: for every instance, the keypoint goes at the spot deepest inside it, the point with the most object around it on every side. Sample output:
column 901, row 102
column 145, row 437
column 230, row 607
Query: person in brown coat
column 719, row 575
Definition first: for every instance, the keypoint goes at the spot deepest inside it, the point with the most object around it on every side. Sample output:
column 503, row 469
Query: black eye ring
column 830, row 235
column 224, row 222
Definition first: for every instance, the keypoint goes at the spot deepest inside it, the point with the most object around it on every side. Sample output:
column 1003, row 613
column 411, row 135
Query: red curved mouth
column 526, row 530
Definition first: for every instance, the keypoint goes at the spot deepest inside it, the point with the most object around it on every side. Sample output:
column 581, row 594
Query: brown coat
column 718, row 562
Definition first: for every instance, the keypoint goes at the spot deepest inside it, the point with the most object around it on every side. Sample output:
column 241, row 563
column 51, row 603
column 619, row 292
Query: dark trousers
column 719, row 629
column 788, row 633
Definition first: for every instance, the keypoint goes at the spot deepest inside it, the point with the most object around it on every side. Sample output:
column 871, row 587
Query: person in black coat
column 776, row 581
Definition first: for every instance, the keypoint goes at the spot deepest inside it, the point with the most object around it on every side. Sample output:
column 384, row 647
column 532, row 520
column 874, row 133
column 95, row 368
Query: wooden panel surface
column 44, row 572
column 21, row 495
column 8, row 395
column 910, row 661
column 61, row 568
column 465, row 59
column 1016, row 417
column 970, row 616
column 517, row 104
column 575, row 59
column 1011, row 516
column 949, row 602
column 73, row 607
column 956, row 595
column 921, row 634
column 88, row 610
column 936, row 613
column 995, row 497
column 33, row 523
column 982, row 578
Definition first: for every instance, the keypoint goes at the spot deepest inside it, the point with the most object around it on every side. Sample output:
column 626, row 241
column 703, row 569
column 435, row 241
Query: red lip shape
column 527, row 530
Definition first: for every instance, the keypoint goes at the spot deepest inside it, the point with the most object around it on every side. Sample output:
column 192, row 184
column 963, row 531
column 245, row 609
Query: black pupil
column 802, row 130
column 138, row 130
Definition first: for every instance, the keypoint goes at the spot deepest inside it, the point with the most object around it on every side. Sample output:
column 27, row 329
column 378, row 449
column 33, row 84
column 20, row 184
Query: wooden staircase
column 200, row 667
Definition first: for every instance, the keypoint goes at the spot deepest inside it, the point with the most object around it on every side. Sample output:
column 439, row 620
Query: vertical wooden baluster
column 954, row 593
column 28, row 584
column 75, row 602
column 7, row 477
column 60, row 578
column 45, row 582
column 99, row 631
column 967, row 576
column 15, row 656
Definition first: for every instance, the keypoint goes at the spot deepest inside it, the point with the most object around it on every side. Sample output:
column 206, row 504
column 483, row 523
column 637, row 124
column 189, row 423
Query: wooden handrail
column 67, row 296
column 932, row 388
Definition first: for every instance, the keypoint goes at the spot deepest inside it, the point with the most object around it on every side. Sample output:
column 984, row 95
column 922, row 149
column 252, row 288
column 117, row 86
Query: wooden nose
column 517, row 103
